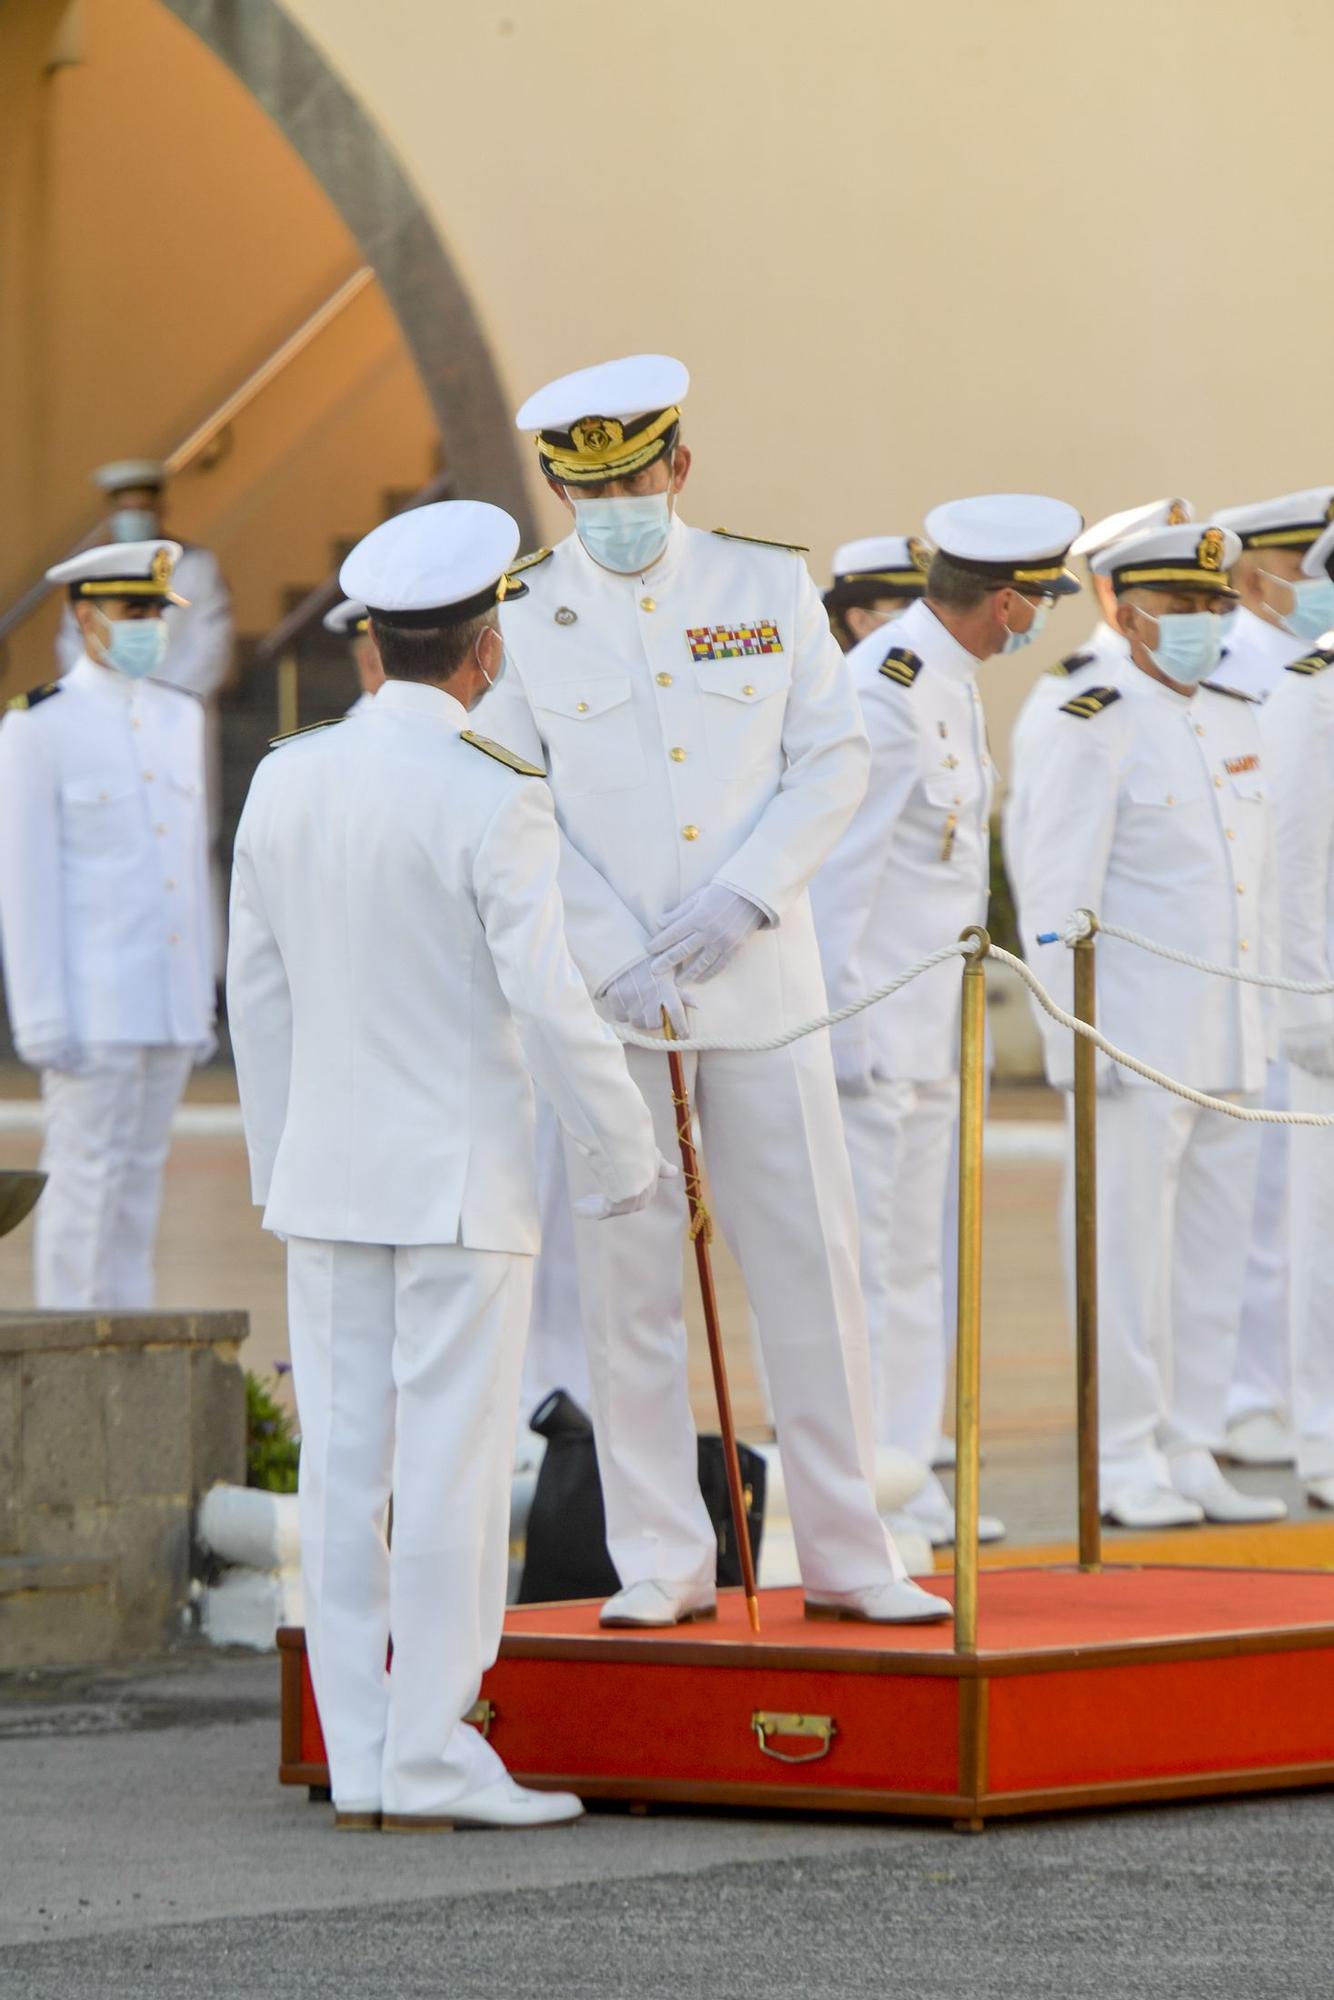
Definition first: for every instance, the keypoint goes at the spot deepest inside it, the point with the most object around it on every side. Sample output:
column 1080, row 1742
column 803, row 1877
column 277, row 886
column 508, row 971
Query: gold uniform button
column 135, row 722
column 1199, row 729
column 1245, row 944
column 663, row 680
column 748, row 689
column 173, row 939
column 678, row 755
column 581, row 708
column 648, row 603
column 169, row 884
column 159, row 828
column 1241, row 888
column 148, row 777
column 1230, row 834
column 1219, row 783
column 1171, row 798
column 690, row 833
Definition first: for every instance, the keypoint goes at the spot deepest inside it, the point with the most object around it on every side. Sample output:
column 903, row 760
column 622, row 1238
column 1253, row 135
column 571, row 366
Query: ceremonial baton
column 701, row 1229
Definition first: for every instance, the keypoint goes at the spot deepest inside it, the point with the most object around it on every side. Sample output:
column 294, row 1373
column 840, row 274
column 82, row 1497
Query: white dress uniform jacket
column 912, row 870
column 1256, row 655
column 1103, row 650
column 393, row 996
column 1153, row 812
column 697, row 726
column 103, row 865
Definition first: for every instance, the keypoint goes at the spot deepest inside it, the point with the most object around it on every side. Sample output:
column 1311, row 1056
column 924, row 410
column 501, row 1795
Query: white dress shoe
column 1320, row 1492
column 502, row 1805
column 938, row 1527
column 1263, row 1439
column 647, row 1604
column 1151, row 1506
column 901, row 1603
column 1222, row 1501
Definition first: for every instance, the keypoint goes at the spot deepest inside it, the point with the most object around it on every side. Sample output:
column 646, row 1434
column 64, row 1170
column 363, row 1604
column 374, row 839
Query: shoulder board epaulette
column 793, row 548
column 901, row 665
column 502, row 755
column 1091, row 702
column 528, row 562
column 306, row 729
column 1239, row 694
column 1073, row 663
column 1313, row 663
column 33, row 697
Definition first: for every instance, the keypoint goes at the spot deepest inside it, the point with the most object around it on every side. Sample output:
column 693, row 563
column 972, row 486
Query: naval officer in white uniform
column 200, row 636
column 397, row 970
column 876, row 578
column 705, row 752
column 1145, row 801
column 909, row 874
column 1297, row 726
column 104, row 923
column 1104, row 648
column 1285, row 609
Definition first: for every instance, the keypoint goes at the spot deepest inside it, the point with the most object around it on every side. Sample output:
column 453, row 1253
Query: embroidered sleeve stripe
column 1092, row 702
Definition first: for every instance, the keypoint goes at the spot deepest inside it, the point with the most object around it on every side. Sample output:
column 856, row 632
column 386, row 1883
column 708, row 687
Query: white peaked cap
column 448, row 557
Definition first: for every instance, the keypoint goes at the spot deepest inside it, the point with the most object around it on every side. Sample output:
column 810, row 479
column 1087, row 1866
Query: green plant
column 271, row 1450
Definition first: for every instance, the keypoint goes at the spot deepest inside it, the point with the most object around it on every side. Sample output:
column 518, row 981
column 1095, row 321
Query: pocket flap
column 582, row 700
column 97, row 791
column 745, row 680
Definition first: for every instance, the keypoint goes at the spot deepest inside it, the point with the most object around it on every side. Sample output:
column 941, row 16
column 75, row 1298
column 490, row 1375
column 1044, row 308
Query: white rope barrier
column 1245, row 1113
column 1082, row 924
column 636, row 1038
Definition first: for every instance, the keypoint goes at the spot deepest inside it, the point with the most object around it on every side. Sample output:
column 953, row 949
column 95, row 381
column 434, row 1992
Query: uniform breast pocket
column 951, row 796
column 1249, row 789
column 100, row 815
column 742, row 705
column 590, row 729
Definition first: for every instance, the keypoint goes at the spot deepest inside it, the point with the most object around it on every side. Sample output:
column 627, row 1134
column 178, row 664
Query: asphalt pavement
column 146, row 1849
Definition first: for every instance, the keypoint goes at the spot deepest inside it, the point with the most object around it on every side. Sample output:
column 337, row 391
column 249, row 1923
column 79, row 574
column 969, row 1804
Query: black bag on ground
column 566, row 1552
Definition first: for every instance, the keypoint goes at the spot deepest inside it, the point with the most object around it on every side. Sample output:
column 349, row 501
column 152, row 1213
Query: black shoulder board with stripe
column 528, row 562
column 901, row 665
column 502, row 756
column 33, row 697
column 793, row 548
column 1073, row 663
column 306, row 729
column 1091, row 702
column 1313, row 663
column 1236, row 694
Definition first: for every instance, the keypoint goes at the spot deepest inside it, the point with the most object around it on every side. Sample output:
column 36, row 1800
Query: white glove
column 852, row 1058
column 598, row 1207
column 638, row 997
column 57, row 1052
column 1311, row 1049
column 699, row 936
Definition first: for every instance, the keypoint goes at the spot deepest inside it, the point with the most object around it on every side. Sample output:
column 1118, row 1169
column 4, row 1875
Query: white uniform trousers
column 108, row 1131
column 900, row 1137
column 1313, row 1278
column 1176, row 1186
column 1262, row 1378
column 555, row 1355
column 406, row 1368
column 777, row 1168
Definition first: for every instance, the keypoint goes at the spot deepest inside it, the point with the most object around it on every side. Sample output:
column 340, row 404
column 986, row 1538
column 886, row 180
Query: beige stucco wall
column 908, row 251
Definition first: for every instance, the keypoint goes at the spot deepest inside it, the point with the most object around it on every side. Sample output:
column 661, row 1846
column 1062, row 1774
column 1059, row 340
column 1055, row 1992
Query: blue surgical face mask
column 133, row 524
column 625, row 535
column 1312, row 611
column 1016, row 641
column 1190, row 645
column 136, row 646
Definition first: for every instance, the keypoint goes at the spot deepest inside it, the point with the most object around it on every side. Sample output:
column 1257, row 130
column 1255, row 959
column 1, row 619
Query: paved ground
column 146, row 1850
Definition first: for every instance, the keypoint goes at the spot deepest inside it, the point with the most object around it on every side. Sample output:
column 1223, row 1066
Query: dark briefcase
column 567, row 1530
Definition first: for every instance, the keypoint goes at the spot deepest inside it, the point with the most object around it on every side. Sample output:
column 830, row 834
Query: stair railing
column 197, row 442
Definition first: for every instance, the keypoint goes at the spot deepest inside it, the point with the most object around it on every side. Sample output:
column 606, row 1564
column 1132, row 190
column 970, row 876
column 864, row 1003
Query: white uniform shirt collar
column 1135, row 681
column 104, row 681
column 419, row 698
column 921, row 632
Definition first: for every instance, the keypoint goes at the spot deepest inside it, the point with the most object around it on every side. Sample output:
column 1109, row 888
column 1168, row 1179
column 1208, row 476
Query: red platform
column 1105, row 1688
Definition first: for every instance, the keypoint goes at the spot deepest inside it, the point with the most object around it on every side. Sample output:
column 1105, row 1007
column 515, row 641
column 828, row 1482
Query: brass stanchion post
column 288, row 698
column 1086, row 1252
column 968, row 1357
